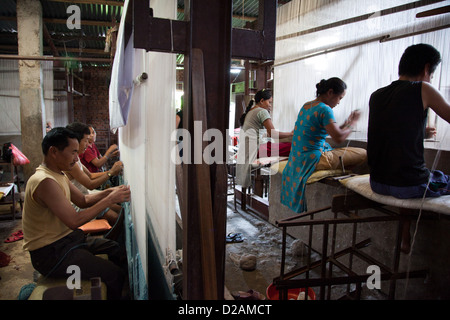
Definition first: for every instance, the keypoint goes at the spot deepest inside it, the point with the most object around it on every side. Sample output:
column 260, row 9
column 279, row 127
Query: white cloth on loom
column 361, row 185
column 121, row 86
column 293, row 82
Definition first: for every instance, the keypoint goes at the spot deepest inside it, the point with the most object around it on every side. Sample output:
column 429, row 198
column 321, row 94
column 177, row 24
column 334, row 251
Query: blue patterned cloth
column 308, row 143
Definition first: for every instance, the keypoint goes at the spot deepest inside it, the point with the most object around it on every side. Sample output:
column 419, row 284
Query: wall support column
column 32, row 109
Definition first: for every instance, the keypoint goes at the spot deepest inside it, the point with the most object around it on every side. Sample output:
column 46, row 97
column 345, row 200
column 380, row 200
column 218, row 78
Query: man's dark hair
column 80, row 129
column 57, row 137
column 416, row 57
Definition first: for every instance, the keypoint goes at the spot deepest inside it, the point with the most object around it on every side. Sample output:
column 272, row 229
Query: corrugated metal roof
column 96, row 17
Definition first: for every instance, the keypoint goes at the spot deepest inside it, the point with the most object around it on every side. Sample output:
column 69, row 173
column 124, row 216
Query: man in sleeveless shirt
column 51, row 224
column 397, row 128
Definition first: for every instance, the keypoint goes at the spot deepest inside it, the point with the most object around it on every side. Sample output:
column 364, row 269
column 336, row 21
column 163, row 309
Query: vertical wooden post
column 215, row 46
column 208, row 28
column 30, row 39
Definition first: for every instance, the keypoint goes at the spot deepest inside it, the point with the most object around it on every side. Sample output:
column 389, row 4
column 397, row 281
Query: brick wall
column 93, row 108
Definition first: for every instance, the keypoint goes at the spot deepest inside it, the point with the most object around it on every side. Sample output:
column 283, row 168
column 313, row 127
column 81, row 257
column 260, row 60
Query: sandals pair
column 249, row 295
column 15, row 236
column 234, row 238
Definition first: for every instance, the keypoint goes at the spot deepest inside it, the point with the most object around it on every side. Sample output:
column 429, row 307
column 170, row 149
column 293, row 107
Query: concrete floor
column 19, row 271
column 261, row 239
column 264, row 240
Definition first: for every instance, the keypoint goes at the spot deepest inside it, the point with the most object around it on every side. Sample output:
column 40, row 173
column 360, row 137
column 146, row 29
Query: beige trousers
column 351, row 157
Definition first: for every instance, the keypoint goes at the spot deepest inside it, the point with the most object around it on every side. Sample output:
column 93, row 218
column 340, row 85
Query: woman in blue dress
column 310, row 151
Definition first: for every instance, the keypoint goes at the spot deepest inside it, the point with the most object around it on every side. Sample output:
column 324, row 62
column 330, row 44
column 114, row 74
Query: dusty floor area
column 261, row 240
column 19, row 271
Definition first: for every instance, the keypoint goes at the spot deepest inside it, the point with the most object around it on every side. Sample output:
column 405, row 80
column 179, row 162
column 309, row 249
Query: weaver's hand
column 120, row 194
column 116, row 168
column 430, row 132
column 354, row 116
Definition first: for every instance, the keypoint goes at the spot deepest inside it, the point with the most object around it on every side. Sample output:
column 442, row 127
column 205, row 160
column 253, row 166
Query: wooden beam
column 169, row 35
column 73, row 37
column 64, row 21
column 104, row 2
column 85, row 50
column 49, row 58
column 351, row 201
column 57, row 37
column 433, row 12
column 49, row 41
column 202, row 171
column 83, row 22
column 60, row 49
column 208, row 28
column 235, row 16
column 366, row 16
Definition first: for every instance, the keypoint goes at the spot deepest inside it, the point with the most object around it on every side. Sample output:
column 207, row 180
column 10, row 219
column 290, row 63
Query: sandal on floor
column 249, row 295
column 234, row 238
column 15, row 236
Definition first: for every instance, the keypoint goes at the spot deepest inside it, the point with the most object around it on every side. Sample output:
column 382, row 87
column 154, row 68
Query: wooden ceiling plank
column 104, row 2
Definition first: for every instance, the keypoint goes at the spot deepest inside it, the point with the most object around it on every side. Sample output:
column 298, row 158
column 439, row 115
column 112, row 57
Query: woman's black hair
column 337, row 85
column 260, row 95
column 57, row 137
column 416, row 57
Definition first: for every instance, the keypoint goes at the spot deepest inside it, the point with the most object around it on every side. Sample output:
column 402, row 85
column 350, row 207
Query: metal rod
column 344, row 220
column 363, row 17
column 333, row 49
column 333, row 245
column 281, row 222
column 316, row 282
column 389, row 38
column 49, row 58
column 350, row 258
column 381, row 39
column 283, row 293
column 324, row 259
column 283, row 253
column 396, row 259
column 294, row 273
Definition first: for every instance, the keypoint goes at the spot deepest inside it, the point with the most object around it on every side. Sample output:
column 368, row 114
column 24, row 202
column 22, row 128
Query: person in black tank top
column 397, row 127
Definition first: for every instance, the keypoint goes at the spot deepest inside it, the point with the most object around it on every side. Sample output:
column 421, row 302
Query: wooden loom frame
column 347, row 204
column 203, row 188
